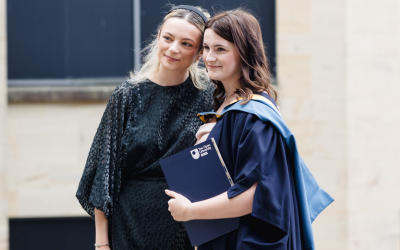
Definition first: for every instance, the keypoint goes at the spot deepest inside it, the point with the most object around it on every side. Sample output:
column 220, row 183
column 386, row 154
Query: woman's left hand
column 179, row 206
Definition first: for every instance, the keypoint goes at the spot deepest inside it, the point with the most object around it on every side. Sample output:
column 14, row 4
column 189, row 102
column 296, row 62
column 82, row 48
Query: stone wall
column 312, row 83
column 3, row 123
column 339, row 77
column 47, row 149
column 373, row 122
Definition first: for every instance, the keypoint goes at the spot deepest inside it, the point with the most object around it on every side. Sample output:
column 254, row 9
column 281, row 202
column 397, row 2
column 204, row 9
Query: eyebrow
column 182, row 39
column 217, row 45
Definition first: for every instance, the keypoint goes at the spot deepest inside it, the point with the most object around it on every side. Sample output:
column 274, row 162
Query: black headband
column 188, row 7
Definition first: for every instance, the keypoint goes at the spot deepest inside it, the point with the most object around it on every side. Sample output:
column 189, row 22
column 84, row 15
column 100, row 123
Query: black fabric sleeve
column 101, row 179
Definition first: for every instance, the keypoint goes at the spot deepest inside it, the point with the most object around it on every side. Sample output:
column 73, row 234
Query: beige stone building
column 3, row 124
column 338, row 65
column 339, row 76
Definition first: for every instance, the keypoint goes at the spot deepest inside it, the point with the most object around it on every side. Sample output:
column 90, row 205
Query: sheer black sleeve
column 101, row 179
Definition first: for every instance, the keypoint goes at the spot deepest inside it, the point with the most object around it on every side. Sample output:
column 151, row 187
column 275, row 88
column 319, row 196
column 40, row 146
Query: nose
column 174, row 48
column 210, row 57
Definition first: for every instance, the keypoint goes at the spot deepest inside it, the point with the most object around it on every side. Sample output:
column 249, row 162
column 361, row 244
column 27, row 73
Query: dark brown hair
column 242, row 29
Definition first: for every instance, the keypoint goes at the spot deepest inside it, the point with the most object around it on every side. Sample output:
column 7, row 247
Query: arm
column 101, row 229
column 218, row 207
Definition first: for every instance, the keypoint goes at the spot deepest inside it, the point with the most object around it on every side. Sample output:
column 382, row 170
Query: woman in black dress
column 148, row 118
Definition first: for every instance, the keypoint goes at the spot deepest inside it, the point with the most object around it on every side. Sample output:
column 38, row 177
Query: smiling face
column 178, row 44
column 221, row 58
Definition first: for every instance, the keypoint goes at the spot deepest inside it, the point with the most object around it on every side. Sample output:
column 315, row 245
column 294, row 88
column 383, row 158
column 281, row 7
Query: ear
column 200, row 54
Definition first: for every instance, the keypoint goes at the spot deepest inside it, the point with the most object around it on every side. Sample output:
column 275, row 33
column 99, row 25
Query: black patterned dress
column 142, row 124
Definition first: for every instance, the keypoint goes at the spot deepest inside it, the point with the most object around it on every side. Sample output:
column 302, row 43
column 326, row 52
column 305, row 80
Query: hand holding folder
column 180, row 205
column 199, row 173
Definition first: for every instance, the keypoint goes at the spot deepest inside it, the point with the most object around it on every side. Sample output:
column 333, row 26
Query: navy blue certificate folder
column 199, row 173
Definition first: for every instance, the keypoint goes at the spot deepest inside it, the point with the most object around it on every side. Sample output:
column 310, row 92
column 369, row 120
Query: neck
column 165, row 77
column 230, row 86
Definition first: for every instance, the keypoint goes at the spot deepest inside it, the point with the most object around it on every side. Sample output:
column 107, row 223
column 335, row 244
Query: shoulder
column 203, row 98
column 208, row 89
column 248, row 126
column 125, row 90
column 242, row 120
column 240, row 116
column 265, row 94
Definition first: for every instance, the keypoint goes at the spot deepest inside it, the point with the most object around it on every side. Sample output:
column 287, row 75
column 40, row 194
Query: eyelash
column 219, row 49
column 184, row 44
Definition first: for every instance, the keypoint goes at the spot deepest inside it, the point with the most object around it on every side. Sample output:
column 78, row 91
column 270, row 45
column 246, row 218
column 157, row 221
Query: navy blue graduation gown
column 254, row 151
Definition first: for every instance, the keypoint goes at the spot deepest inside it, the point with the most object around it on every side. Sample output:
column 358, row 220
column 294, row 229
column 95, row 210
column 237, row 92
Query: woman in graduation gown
column 254, row 150
column 148, row 118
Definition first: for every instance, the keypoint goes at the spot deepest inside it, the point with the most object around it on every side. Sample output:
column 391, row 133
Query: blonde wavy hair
column 150, row 60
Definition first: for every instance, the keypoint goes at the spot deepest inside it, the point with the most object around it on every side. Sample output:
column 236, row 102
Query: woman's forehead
column 181, row 28
column 211, row 38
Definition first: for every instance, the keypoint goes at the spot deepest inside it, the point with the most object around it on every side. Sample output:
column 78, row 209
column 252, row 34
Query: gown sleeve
column 101, row 179
column 260, row 155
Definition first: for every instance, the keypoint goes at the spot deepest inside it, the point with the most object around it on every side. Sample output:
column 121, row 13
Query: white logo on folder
column 202, row 151
column 195, row 154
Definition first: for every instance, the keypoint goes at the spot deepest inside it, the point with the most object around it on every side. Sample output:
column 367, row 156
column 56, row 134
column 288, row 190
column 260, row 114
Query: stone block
column 330, row 230
column 373, row 230
column 294, row 17
column 373, row 17
column 294, row 76
column 48, row 146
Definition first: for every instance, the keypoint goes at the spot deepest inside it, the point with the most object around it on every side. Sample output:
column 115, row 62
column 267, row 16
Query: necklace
column 228, row 97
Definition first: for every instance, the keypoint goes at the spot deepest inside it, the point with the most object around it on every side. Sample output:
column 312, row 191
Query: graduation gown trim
column 312, row 199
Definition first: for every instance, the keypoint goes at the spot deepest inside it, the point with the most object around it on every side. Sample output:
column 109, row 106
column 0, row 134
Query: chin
column 214, row 77
column 168, row 66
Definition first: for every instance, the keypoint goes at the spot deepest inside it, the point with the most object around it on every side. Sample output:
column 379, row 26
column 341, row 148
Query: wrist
column 101, row 241
column 192, row 211
column 98, row 245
